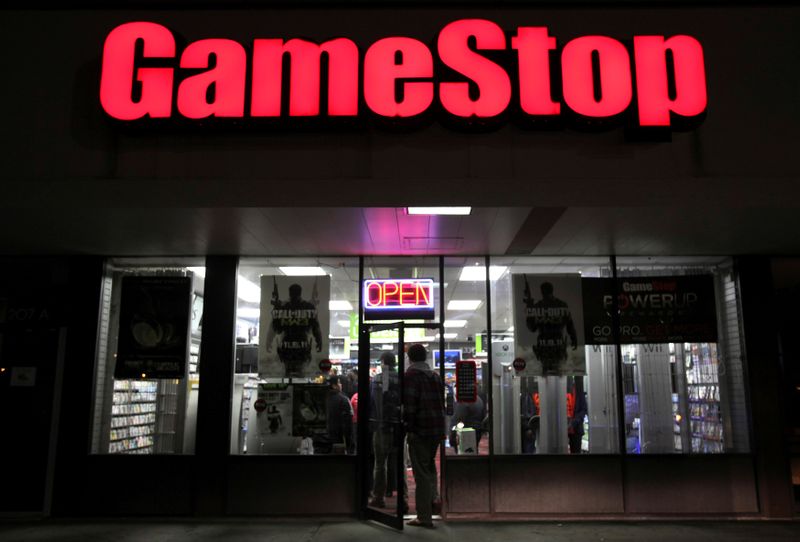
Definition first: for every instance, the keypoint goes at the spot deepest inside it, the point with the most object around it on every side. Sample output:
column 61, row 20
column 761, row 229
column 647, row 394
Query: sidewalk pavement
column 252, row 530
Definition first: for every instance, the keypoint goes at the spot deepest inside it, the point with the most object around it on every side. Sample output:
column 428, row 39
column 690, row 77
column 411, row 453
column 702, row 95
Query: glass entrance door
column 381, row 438
column 387, row 482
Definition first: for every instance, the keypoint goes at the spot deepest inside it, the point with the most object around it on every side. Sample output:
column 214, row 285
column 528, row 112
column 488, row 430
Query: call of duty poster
column 154, row 317
column 548, row 324
column 294, row 313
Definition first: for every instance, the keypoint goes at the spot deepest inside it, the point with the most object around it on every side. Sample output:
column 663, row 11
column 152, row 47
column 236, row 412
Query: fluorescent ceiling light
column 448, row 335
column 343, row 323
column 199, row 271
column 387, row 347
column 339, row 305
column 248, row 291
column 461, row 211
column 302, row 271
column 478, row 272
column 248, row 312
column 463, row 304
column 455, row 323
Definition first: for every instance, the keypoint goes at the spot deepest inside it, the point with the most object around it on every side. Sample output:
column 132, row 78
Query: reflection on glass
column 296, row 379
column 147, row 380
column 553, row 391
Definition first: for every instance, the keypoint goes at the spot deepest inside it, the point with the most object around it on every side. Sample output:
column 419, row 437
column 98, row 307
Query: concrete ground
column 246, row 530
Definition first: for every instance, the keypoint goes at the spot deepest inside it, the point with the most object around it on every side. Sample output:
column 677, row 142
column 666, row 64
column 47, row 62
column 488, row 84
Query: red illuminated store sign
column 392, row 299
column 475, row 73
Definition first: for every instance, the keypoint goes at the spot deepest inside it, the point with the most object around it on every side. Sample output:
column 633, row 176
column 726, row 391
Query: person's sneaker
column 377, row 503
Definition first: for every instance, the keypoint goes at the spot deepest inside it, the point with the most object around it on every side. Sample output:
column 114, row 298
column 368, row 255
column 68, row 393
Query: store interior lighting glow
column 248, row 312
column 463, row 304
column 478, row 272
column 339, row 305
column 343, row 323
column 455, row 323
column 452, row 211
column 248, row 291
column 199, row 271
column 448, row 335
column 299, row 271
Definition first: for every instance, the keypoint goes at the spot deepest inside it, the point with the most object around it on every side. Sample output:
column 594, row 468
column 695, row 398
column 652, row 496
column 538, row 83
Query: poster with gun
column 294, row 325
column 548, row 324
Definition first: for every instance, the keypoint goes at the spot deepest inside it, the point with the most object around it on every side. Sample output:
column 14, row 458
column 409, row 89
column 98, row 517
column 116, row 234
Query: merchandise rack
column 133, row 416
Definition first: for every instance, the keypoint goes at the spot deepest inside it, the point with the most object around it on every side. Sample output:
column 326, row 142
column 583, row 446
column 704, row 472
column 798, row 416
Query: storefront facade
column 276, row 205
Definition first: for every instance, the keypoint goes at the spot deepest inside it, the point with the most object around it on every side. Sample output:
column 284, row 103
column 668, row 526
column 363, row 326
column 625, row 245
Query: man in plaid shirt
column 423, row 410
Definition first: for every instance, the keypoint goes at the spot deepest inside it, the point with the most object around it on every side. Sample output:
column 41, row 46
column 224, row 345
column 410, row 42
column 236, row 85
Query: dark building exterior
column 673, row 427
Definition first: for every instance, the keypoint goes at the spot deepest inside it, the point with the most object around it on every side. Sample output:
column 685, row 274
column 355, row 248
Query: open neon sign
column 389, row 299
column 475, row 72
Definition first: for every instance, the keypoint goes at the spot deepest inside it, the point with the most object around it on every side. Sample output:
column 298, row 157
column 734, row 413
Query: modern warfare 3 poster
column 293, row 326
column 548, row 324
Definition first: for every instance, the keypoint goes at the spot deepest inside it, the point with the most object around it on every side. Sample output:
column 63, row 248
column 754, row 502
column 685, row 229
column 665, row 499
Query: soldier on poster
column 292, row 325
column 549, row 329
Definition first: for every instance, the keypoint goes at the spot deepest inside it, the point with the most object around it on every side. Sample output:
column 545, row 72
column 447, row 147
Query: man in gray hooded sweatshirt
column 423, row 410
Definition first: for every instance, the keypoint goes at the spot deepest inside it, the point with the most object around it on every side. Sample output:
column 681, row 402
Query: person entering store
column 423, row 409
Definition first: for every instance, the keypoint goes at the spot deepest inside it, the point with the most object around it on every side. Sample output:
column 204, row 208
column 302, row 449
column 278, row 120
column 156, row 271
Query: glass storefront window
column 553, row 391
column 296, row 374
column 146, row 373
column 465, row 351
column 682, row 354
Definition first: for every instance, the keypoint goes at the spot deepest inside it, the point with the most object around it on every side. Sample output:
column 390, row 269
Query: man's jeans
column 423, row 462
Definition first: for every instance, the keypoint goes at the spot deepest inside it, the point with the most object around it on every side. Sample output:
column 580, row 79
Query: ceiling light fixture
column 451, row 211
column 463, row 304
column 478, row 272
column 339, row 305
column 455, row 323
column 301, row 271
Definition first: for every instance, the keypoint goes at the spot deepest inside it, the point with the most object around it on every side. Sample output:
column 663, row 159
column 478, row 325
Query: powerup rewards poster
column 653, row 310
column 548, row 324
column 294, row 313
column 154, row 318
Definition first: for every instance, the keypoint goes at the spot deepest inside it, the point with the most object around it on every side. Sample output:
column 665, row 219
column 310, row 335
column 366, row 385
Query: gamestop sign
column 474, row 72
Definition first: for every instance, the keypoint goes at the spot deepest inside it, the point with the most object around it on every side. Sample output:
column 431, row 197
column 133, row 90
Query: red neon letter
column 304, row 79
column 578, row 81
column 391, row 296
column 371, row 291
column 493, row 83
column 119, row 72
column 407, row 292
column 534, row 46
column 424, row 291
column 227, row 77
column 381, row 73
column 655, row 104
